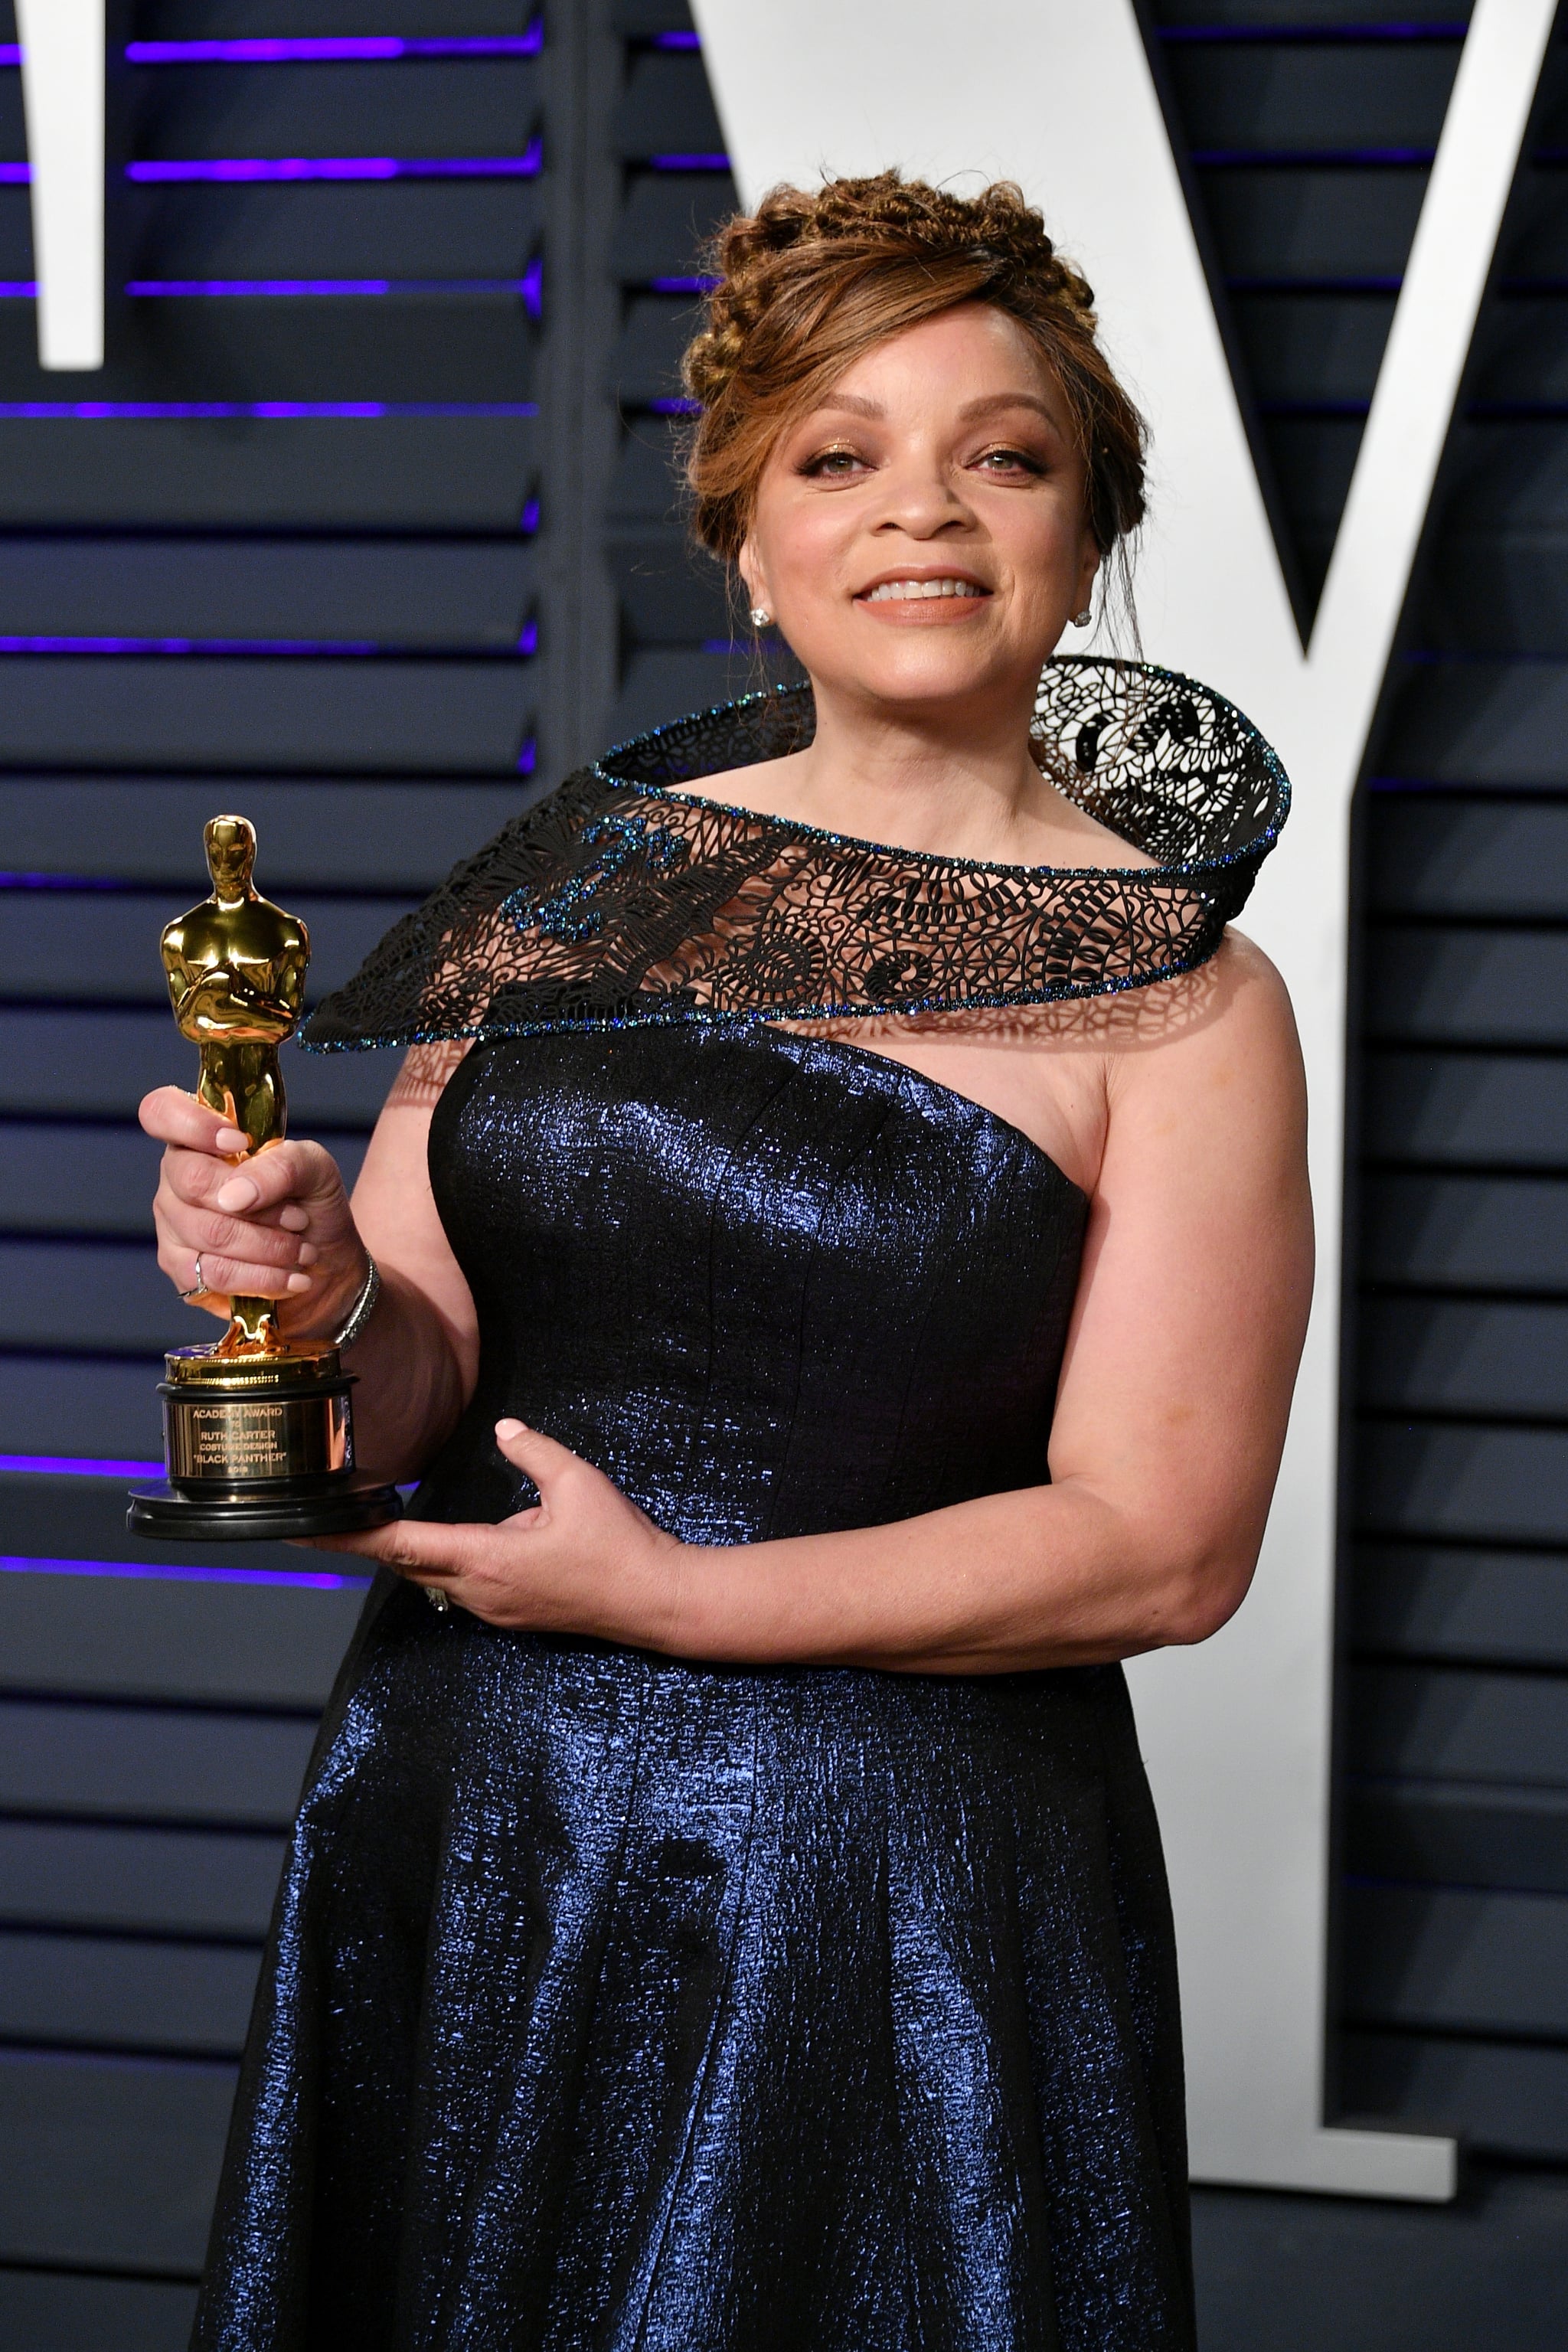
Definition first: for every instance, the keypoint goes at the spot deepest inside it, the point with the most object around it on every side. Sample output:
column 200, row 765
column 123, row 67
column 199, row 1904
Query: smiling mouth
column 901, row 591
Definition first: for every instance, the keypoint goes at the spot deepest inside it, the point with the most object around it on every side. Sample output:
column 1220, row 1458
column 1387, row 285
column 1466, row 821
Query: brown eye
column 1010, row 461
column 833, row 465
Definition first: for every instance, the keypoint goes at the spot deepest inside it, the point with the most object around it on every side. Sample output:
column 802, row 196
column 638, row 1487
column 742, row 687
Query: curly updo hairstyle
column 812, row 279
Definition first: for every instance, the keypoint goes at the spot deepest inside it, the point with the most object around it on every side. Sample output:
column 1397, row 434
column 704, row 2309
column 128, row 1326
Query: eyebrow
column 854, row 405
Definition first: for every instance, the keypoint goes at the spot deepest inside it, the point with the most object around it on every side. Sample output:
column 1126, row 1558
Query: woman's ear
column 753, row 580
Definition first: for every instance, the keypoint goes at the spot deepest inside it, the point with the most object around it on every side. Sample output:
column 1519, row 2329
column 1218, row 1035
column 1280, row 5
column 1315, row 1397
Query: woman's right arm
column 282, row 1227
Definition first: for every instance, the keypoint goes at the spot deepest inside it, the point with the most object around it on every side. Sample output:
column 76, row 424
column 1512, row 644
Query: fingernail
column 308, row 1253
column 506, row 1429
column 230, row 1142
column 293, row 1220
column 239, row 1192
column 298, row 1281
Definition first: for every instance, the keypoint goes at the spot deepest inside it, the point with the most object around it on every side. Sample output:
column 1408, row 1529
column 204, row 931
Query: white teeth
column 903, row 589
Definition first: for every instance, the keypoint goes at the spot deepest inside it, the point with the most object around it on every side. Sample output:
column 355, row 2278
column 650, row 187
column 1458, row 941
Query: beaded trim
column 625, row 898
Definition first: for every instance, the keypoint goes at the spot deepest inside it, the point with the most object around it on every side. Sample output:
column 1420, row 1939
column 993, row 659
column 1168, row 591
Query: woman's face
column 920, row 536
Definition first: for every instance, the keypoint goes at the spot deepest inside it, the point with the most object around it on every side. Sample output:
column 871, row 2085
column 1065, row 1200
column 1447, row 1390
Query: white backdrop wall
column 1059, row 96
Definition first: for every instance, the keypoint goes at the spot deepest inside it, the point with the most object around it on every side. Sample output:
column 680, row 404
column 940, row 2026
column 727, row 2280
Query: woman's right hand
column 278, row 1227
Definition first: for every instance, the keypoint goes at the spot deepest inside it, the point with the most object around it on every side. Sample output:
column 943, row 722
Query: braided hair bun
column 814, row 278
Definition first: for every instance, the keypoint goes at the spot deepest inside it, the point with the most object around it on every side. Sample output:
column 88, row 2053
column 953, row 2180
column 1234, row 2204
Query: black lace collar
column 625, row 897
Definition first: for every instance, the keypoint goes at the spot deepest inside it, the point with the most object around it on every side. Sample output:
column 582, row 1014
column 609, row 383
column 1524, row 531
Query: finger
column 530, row 1450
column 424, row 1550
column 171, row 1115
column 231, row 1277
column 299, row 1172
column 269, row 1243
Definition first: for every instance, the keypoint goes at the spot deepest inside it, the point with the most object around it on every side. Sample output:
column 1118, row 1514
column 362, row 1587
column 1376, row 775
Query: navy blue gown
column 622, row 2002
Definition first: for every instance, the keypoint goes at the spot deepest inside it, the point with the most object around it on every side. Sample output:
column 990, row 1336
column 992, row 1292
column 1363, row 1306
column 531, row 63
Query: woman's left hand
column 584, row 1560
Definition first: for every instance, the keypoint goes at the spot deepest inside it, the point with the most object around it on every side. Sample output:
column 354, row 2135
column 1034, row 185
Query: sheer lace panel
column 625, row 897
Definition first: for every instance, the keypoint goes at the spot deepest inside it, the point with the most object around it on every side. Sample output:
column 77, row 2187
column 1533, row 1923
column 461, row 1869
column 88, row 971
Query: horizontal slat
column 78, row 1062
column 409, row 106
column 96, row 1180
column 465, row 347
column 647, row 487
column 1499, row 594
column 667, row 220
column 171, row 20
column 1506, row 1608
column 1289, row 100
column 389, row 229
column 76, row 1408
column 1481, row 1233
column 1314, row 347
column 659, row 686
column 1509, row 474
column 169, row 1882
column 97, row 1992
column 107, row 1295
column 1436, row 854
column 400, row 716
column 1451, row 1482
column 56, row 2311
column 1424, row 1959
column 1447, row 1723
column 666, row 108
column 1467, row 987
column 1524, row 354
column 473, row 598
column 1466, row 1109
column 1463, row 1356
column 644, row 364
column 333, row 473
column 1511, row 1839
column 59, row 945
column 314, row 832
column 1505, row 2100
column 668, row 597
column 150, row 1764
column 1313, row 223
column 112, row 2162
column 151, row 1638
column 1482, row 722
column 396, row 228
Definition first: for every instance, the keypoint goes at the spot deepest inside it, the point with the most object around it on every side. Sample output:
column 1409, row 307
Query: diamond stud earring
column 1082, row 620
column 761, row 616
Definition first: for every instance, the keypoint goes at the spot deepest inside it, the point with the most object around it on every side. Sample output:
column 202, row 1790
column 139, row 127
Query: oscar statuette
column 257, row 1433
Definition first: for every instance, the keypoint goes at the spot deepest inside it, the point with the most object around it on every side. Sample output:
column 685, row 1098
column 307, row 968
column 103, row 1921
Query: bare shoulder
column 1220, row 1059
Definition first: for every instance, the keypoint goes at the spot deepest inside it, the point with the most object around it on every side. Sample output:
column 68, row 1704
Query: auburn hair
column 812, row 279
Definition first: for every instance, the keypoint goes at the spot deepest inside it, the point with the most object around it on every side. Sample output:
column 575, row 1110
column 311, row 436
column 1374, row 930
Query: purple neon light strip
column 678, row 41
column 74, row 1466
column 160, row 1572
column 525, row 166
column 285, row 410
column 329, row 49
column 286, row 648
column 709, row 162
column 530, row 286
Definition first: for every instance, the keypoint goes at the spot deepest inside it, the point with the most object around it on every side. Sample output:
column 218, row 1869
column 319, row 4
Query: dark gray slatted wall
column 1457, row 1915
column 1309, row 130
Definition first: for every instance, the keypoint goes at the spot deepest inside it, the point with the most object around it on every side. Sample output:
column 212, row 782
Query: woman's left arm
column 1169, row 1424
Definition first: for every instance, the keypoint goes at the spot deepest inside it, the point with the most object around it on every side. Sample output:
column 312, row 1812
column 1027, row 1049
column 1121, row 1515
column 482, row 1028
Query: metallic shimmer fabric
column 624, row 896
column 619, row 2004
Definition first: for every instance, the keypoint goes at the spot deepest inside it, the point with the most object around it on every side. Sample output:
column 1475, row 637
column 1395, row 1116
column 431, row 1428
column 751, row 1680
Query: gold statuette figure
column 259, row 1433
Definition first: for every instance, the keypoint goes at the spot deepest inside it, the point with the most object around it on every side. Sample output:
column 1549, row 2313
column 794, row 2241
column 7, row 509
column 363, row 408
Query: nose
column 920, row 499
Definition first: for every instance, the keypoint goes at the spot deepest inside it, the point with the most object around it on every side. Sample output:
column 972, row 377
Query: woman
column 845, row 1302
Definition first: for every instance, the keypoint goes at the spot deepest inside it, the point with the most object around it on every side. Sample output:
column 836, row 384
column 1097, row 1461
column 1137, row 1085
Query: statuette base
column 260, row 1446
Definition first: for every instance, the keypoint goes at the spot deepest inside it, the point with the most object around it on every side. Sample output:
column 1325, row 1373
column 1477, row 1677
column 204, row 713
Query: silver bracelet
column 363, row 1309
